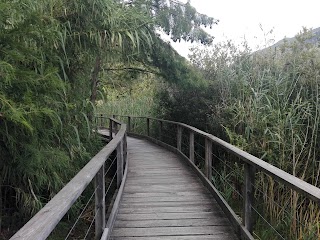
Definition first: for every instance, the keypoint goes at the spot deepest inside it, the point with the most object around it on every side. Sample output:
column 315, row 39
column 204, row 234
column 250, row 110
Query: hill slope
column 314, row 38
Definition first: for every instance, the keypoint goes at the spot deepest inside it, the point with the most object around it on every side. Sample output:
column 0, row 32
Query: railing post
column 208, row 158
column 248, row 196
column 119, row 163
column 160, row 130
column 125, row 150
column 191, row 146
column 110, row 128
column 148, row 126
column 114, row 125
column 101, row 119
column 179, row 137
column 129, row 124
column 100, row 207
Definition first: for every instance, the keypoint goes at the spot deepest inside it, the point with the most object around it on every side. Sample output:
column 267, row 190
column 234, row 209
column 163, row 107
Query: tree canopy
column 52, row 56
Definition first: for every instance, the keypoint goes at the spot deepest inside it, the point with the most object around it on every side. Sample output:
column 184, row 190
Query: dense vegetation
column 266, row 103
column 55, row 59
column 60, row 59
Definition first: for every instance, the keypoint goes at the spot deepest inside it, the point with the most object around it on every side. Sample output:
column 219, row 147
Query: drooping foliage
column 180, row 21
column 53, row 55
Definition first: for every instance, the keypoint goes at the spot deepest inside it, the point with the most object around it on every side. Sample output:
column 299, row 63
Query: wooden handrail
column 251, row 164
column 293, row 182
column 43, row 223
column 116, row 121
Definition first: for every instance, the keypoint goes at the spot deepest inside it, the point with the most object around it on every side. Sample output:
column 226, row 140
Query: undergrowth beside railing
column 249, row 185
column 87, row 196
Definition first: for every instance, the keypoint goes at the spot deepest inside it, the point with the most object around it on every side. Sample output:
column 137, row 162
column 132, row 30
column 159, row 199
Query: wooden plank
column 167, row 172
column 162, row 183
column 160, row 174
column 159, row 180
column 224, row 236
column 160, row 187
column 241, row 231
column 158, row 216
column 199, row 198
column 159, row 166
column 178, row 187
column 173, row 223
column 167, row 190
column 163, row 198
column 178, row 209
column 162, row 194
column 170, row 231
column 166, row 204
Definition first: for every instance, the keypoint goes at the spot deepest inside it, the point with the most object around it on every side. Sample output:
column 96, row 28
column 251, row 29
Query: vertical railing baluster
column 248, row 196
column 101, row 120
column 110, row 128
column 125, row 150
column 179, row 137
column 100, row 208
column 160, row 130
column 191, row 146
column 119, row 163
column 116, row 127
column 208, row 158
column 148, row 126
column 129, row 124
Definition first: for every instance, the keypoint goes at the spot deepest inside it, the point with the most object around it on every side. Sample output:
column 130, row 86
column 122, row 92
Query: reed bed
column 268, row 102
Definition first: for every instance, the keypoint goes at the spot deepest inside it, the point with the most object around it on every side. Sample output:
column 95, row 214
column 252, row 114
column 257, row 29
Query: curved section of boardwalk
column 164, row 199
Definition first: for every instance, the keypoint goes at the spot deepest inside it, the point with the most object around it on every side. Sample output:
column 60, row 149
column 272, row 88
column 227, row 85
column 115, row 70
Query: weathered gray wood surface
column 164, row 199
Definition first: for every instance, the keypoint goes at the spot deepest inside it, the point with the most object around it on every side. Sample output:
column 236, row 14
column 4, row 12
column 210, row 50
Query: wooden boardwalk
column 164, row 199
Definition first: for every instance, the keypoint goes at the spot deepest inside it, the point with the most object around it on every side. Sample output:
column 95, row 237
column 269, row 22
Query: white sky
column 240, row 19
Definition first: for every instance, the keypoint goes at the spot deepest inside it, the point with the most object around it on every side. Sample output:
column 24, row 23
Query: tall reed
column 139, row 101
column 268, row 102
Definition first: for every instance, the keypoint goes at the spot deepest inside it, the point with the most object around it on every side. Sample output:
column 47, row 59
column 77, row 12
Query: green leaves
column 268, row 103
column 182, row 21
column 40, row 97
column 49, row 52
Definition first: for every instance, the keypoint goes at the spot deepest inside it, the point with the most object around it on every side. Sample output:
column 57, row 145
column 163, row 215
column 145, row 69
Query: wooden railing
column 152, row 129
column 45, row 221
